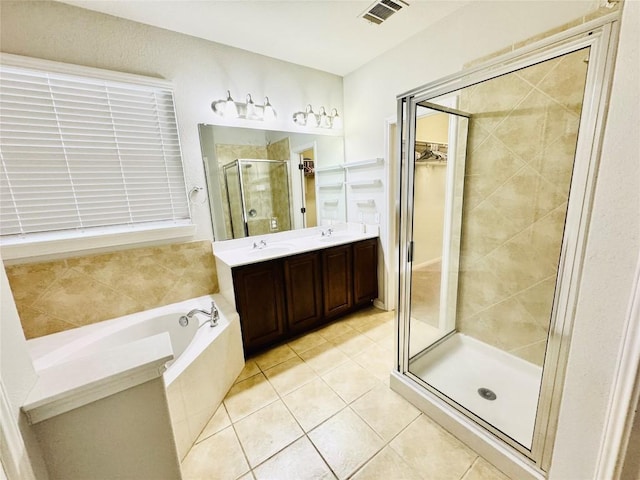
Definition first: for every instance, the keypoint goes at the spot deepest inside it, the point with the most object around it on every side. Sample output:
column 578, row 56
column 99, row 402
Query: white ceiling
column 323, row 34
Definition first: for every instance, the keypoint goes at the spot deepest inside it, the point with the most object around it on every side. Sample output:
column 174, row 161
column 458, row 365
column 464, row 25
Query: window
column 82, row 156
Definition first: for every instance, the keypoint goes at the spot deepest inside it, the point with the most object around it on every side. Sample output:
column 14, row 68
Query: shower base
column 460, row 366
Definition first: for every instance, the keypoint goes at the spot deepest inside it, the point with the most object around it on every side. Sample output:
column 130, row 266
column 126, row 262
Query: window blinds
column 81, row 152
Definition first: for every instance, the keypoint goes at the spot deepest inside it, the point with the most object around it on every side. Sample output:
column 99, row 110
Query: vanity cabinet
column 259, row 291
column 365, row 271
column 278, row 299
column 303, row 291
column 337, row 280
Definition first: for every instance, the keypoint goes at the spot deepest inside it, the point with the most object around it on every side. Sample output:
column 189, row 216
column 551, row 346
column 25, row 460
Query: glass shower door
column 235, row 199
column 485, row 222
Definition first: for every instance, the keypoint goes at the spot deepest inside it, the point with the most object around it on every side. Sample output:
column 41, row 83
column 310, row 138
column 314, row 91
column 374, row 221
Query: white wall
column 611, row 256
column 201, row 71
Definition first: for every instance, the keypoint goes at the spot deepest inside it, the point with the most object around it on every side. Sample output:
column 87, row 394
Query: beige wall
column 63, row 294
column 433, row 128
column 522, row 137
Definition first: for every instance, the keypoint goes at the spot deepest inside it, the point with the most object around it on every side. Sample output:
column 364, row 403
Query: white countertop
column 241, row 251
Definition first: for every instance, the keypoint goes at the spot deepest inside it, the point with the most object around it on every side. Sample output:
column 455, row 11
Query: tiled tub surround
column 64, row 294
column 522, row 138
column 320, row 407
column 197, row 379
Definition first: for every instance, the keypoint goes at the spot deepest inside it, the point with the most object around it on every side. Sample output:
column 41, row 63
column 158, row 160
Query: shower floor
column 461, row 365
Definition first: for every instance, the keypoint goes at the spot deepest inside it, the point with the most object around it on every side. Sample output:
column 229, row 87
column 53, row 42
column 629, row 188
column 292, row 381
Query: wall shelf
column 330, row 202
column 332, row 168
column 365, row 183
column 331, row 185
column 366, row 203
column 364, row 163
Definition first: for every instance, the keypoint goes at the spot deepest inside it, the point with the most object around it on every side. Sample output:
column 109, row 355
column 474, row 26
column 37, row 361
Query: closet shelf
column 364, row 163
column 366, row 203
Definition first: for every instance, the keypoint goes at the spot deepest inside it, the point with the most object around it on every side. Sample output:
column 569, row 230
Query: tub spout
column 213, row 315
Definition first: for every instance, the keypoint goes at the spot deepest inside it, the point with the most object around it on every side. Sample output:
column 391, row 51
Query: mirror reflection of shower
column 307, row 158
column 257, row 196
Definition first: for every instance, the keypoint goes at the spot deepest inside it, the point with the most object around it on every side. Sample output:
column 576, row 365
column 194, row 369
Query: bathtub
column 207, row 360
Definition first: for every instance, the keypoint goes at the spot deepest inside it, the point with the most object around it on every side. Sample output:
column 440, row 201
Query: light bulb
column 269, row 112
column 230, row 108
column 312, row 118
column 336, row 120
column 325, row 120
column 251, row 109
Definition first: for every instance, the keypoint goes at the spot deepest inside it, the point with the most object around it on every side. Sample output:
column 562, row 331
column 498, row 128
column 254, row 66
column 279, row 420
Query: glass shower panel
column 498, row 209
column 235, row 200
column 266, row 190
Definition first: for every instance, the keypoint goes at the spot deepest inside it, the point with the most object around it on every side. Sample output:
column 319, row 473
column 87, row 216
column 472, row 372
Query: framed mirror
column 267, row 181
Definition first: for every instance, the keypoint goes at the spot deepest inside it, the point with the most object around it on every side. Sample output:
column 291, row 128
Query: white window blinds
column 78, row 153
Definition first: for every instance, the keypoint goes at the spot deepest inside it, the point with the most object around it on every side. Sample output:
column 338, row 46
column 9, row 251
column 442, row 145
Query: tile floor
column 320, row 407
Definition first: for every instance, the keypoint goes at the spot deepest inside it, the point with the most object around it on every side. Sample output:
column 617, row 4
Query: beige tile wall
column 522, row 137
column 280, row 197
column 64, row 294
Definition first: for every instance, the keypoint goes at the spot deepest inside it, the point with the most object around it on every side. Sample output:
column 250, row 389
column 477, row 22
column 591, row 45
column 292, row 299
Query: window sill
column 56, row 246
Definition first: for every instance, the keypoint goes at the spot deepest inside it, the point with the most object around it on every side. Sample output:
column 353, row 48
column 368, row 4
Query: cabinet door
column 303, row 287
column 260, row 301
column 337, row 286
column 365, row 271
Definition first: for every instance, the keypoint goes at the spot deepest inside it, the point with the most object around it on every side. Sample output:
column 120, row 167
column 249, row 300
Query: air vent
column 382, row 9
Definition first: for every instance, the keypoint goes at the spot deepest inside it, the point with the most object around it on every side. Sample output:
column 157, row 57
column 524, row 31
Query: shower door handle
column 410, row 252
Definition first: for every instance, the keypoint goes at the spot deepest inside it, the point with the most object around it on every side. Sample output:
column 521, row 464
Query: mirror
column 267, row 181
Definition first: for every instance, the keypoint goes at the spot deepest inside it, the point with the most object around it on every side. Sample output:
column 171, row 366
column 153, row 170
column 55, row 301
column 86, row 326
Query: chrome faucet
column 213, row 315
column 260, row 245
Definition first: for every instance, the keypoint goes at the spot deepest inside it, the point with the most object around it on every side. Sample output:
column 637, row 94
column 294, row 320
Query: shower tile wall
column 280, row 184
column 227, row 154
column 64, row 294
column 520, row 153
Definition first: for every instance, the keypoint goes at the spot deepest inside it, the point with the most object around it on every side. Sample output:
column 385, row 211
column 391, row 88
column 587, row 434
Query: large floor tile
column 483, row 470
column 345, row 442
column 274, row 356
column 387, row 465
column 219, row 421
column 324, row 358
column 248, row 396
column 352, row 343
column 433, row 452
column 299, row 461
column 250, row 369
column 219, row 456
column 266, row 432
column 289, row 375
column 350, row 381
column 335, row 329
column 306, row 342
column 313, row 403
column 376, row 360
column 385, row 411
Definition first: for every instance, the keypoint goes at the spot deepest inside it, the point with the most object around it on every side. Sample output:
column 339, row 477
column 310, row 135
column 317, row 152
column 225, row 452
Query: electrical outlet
column 274, row 223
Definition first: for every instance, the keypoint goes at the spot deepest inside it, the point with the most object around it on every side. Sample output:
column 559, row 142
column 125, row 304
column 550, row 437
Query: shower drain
column 487, row 394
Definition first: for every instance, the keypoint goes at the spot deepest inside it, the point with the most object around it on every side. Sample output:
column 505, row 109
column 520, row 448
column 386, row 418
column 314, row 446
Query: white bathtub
column 207, row 360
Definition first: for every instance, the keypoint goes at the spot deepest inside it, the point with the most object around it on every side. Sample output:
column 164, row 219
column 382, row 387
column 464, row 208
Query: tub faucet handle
column 215, row 314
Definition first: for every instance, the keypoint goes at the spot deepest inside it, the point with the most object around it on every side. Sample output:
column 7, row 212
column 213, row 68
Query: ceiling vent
column 382, row 9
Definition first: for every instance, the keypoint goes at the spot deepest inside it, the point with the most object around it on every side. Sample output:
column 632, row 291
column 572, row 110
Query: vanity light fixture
column 309, row 118
column 249, row 110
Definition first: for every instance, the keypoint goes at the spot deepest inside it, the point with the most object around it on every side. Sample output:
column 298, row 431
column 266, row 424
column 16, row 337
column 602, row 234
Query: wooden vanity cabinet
column 303, row 291
column 278, row 299
column 337, row 280
column 365, row 271
column 259, row 297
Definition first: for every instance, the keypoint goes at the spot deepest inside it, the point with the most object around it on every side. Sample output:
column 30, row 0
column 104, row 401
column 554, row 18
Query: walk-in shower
column 257, row 194
column 497, row 173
